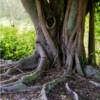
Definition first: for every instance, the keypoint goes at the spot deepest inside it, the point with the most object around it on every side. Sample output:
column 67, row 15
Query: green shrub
column 15, row 44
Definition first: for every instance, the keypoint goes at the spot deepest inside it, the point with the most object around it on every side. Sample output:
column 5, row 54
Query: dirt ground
column 80, row 85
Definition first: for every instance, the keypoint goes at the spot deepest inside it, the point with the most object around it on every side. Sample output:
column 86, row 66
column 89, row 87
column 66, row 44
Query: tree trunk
column 91, row 44
column 59, row 28
column 60, row 35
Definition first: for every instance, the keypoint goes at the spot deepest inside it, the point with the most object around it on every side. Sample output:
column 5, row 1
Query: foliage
column 15, row 44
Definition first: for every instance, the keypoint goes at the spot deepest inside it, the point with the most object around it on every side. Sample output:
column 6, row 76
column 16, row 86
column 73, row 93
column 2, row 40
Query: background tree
column 91, row 45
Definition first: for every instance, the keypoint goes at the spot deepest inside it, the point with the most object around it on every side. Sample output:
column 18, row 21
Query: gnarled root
column 20, row 84
column 27, row 80
column 95, row 83
column 14, row 78
column 50, row 85
column 27, row 63
column 40, row 69
column 73, row 94
column 9, row 73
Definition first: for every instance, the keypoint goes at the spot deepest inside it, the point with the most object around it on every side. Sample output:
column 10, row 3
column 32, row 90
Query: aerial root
column 72, row 93
column 13, row 85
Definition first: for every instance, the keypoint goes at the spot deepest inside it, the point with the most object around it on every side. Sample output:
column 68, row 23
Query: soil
column 80, row 85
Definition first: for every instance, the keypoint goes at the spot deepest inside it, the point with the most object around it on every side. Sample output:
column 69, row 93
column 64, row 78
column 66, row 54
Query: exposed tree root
column 7, row 65
column 50, row 85
column 9, row 73
column 20, row 84
column 26, row 80
column 4, row 76
column 13, row 88
column 43, row 95
column 95, row 83
column 46, row 89
column 16, row 86
column 14, row 78
column 23, row 82
column 29, row 62
column 73, row 94
column 40, row 69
